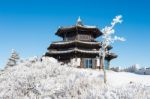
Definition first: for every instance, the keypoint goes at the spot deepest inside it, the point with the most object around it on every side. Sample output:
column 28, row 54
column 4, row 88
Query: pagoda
column 79, row 44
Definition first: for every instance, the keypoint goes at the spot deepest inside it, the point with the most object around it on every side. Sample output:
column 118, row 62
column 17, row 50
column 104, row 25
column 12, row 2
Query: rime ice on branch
column 109, row 30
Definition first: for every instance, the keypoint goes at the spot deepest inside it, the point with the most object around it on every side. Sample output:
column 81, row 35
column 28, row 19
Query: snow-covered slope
column 51, row 80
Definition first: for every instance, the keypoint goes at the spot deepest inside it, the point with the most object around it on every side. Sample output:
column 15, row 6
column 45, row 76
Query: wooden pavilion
column 79, row 43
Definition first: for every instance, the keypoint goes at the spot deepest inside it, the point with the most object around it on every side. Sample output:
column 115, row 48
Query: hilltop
column 49, row 79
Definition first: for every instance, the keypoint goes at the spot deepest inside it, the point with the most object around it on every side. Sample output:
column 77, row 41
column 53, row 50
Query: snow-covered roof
column 75, row 41
column 89, row 26
column 79, row 26
column 74, row 50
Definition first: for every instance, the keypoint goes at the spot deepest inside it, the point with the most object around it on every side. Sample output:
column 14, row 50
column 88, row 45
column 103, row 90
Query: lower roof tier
column 77, row 53
column 111, row 56
column 72, row 54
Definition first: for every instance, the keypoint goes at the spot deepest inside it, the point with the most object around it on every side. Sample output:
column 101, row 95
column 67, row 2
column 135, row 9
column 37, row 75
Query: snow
column 108, row 32
column 82, row 26
column 72, row 50
column 123, row 78
column 69, row 42
column 88, row 26
column 48, row 79
column 75, row 62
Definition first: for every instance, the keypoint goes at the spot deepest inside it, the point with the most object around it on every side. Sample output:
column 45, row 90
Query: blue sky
column 28, row 26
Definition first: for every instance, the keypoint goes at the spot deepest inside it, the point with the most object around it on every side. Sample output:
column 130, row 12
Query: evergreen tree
column 13, row 58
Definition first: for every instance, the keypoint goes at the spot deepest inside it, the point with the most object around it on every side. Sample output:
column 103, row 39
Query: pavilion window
column 84, row 37
column 88, row 63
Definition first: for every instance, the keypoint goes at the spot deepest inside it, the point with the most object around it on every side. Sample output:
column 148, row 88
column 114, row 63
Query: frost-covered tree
column 108, row 38
column 12, row 61
column 134, row 68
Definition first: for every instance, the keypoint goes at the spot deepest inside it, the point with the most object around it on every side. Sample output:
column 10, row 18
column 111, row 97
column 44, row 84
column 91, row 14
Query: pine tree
column 12, row 61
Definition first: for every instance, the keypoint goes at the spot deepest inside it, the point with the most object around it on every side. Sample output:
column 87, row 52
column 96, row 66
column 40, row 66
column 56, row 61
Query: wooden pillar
column 95, row 63
column 82, row 63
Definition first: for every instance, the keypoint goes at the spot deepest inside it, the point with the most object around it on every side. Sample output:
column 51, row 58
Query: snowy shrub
column 48, row 79
column 21, row 60
column 33, row 59
column 75, row 62
column 116, row 69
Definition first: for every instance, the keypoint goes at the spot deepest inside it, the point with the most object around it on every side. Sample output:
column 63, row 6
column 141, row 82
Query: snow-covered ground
column 51, row 80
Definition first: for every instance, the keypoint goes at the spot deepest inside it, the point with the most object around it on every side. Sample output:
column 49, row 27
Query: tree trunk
column 103, row 59
column 108, row 64
column 101, row 63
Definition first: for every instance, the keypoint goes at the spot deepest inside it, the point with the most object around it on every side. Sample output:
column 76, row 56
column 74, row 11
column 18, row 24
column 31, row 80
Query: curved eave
column 74, row 50
column 56, row 45
column 73, row 53
column 96, row 32
column 109, row 47
column 111, row 56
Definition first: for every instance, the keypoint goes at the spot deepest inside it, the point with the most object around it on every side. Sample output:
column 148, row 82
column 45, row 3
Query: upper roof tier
column 79, row 27
column 75, row 44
